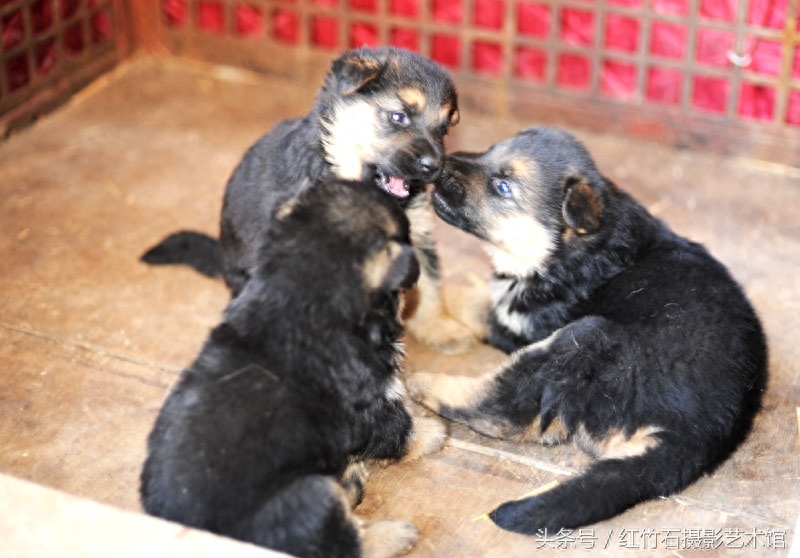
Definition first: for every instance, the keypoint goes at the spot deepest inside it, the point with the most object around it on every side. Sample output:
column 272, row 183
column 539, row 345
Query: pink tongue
column 398, row 187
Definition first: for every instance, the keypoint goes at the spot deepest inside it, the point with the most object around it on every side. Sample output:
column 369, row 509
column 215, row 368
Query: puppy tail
column 607, row 488
column 194, row 249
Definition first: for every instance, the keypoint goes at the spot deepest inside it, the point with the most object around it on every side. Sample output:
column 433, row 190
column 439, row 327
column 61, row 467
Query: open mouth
column 395, row 185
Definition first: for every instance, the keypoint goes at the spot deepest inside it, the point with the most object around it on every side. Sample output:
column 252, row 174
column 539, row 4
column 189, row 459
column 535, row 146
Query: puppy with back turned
column 262, row 436
column 626, row 338
column 381, row 116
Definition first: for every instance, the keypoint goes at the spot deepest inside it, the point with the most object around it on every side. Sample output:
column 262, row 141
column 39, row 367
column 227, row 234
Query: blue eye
column 503, row 188
column 399, row 117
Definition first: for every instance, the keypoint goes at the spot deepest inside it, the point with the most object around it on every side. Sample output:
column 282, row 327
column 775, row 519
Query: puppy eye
column 503, row 188
column 400, row 118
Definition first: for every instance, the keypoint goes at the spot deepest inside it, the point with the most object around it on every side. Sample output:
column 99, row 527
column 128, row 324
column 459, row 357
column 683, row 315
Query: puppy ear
column 354, row 70
column 455, row 117
column 393, row 268
column 582, row 207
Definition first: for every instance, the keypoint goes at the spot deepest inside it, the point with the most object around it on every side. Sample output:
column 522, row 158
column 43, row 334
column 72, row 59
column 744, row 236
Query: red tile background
column 58, row 35
column 723, row 59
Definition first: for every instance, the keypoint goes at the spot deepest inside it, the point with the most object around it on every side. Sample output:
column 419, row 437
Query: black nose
column 429, row 166
column 451, row 182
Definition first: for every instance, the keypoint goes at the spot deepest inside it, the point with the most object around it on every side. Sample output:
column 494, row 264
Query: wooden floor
column 91, row 339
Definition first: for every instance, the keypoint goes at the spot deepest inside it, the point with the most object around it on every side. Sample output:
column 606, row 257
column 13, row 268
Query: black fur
column 194, row 249
column 294, row 384
column 297, row 153
column 651, row 357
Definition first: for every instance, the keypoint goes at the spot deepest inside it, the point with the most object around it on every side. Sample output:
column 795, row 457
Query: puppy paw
column 385, row 539
column 420, row 387
column 429, row 436
column 354, row 479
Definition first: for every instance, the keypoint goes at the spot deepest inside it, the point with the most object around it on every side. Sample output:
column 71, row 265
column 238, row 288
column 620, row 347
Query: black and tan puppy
column 381, row 115
column 261, row 437
column 626, row 338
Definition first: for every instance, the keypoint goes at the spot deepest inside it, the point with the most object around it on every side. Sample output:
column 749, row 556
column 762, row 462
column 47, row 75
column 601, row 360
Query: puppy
column 625, row 337
column 261, row 437
column 381, row 115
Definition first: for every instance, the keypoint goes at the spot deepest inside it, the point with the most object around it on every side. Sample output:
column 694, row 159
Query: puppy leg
column 385, row 539
column 396, row 435
column 310, row 517
column 504, row 404
column 459, row 398
column 354, row 479
column 428, row 436
column 426, row 317
column 429, row 321
column 471, row 306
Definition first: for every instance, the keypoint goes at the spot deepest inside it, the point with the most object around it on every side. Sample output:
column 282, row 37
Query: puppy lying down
column 262, row 436
column 625, row 337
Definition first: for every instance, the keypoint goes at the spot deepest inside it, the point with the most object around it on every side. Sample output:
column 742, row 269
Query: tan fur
column 426, row 316
column 462, row 392
column 376, row 268
column 420, row 217
column 429, row 436
column 286, row 209
column 471, row 307
column 615, row 445
column 583, row 191
column 454, row 115
column 433, row 325
column 494, row 428
column 591, row 196
column 372, row 70
column 449, row 115
column 436, row 390
column 382, row 539
column 555, row 433
column 520, row 245
column 385, row 539
column 351, row 139
column 413, row 98
column 356, row 473
column 524, row 169
column 346, row 499
column 342, row 495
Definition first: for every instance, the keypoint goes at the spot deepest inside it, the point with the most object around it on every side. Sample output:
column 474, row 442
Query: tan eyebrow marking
column 413, row 98
column 521, row 167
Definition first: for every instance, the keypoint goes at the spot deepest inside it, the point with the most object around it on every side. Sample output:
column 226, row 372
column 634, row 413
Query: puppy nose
column 428, row 165
column 450, row 181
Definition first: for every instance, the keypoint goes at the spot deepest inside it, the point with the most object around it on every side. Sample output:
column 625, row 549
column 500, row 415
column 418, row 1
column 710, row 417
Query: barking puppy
column 261, row 437
column 627, row 338
column 381, row 115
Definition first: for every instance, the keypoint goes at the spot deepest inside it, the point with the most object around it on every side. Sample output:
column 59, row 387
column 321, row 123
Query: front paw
column 388, row 538
column 429, row 436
